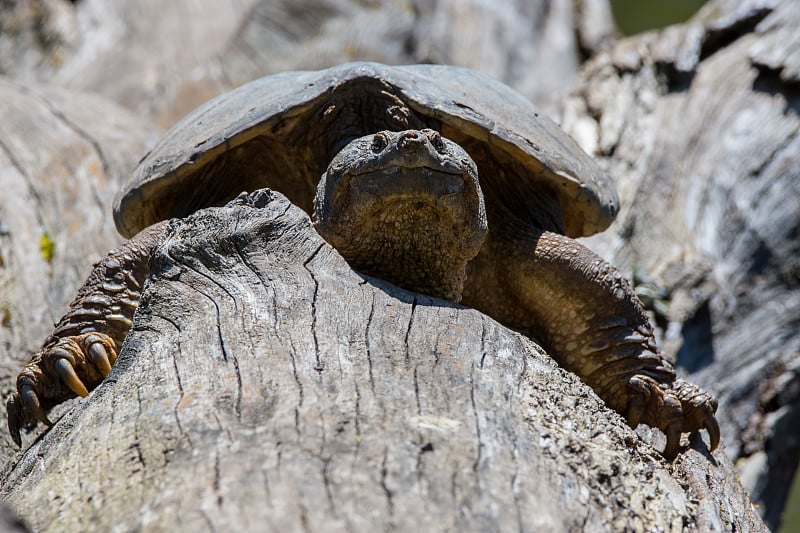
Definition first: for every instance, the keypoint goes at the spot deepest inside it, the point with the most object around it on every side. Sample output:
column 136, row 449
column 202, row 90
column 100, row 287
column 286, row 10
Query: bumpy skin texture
column 408, row 207
column 585, row 313
column 79, row 353
column 405, row 207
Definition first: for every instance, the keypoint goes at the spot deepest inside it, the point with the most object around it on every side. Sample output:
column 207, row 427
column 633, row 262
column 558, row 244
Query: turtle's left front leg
column 80, row 351
column 587, row 316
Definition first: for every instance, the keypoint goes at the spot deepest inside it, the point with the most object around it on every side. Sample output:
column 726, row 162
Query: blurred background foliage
column 635, row 16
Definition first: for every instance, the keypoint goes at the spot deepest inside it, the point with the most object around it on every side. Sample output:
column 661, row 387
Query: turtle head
column 406, row 207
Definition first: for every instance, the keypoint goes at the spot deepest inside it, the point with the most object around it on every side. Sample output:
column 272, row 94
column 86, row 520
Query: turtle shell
column 281, row 132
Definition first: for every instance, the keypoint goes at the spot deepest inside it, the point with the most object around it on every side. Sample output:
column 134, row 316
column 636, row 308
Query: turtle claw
column 698, row 410
column 21, row 406
column 65, row 367
column 635, row 410
column 639, row 393
column 15, row 421
column 673, row 434
column 712, row 426
column 67, row 374
column 99, row 356
column 30, row 404
column 675, row 407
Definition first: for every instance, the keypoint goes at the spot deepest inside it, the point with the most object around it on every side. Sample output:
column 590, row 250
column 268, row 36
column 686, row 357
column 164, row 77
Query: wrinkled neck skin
column 405, row 207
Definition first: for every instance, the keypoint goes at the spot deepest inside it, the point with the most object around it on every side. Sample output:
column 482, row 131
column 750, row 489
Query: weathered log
column 265, row 385
column 163, row 59
column 514, row 41
column 699, row 126
column 137, row 54
column 63, row 156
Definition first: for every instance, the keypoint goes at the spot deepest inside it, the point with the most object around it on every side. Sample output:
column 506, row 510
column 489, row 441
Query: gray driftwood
column 699, row 126
column 163, row 59
column 265, row 385
column 63, row 156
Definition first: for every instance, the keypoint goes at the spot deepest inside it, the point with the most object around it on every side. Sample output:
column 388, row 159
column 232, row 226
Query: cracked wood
column 224, row 412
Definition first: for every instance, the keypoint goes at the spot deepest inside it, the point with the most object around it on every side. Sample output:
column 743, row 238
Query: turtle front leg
column 587, row 316
column 80, row 351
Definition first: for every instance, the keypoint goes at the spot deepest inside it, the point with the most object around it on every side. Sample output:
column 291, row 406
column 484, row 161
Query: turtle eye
column 378, row 143
column 437, row 142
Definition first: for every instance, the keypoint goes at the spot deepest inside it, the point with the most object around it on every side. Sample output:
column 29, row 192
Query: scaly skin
column 405, row 207
column 585, row 313
column 79, row 353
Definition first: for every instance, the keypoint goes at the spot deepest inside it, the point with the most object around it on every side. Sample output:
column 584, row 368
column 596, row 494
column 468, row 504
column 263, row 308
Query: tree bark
column 161, row 60
column 63, row 156
column 267, row 385
column 698, row 124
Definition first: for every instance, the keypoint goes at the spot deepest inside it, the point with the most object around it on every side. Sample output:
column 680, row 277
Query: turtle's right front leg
column 588, row 318
column 79, row 353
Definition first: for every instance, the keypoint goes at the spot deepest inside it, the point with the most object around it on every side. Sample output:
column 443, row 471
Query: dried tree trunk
column 63, row 156
column 163, row 59
column 268, row 386
column 699, row 126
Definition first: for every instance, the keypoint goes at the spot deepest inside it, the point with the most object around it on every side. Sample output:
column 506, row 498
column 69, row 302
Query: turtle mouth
column 403, row 181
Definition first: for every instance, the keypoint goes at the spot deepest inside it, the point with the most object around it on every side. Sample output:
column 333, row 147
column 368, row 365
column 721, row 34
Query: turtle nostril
column 411, row 139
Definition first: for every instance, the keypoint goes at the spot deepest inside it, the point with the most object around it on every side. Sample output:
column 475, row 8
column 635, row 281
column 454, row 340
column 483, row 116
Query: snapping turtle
column 436, row 178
